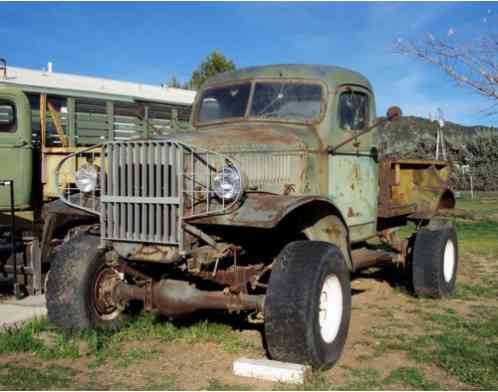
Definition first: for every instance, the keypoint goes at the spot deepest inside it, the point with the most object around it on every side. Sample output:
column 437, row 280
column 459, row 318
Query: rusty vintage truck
column 265, row 210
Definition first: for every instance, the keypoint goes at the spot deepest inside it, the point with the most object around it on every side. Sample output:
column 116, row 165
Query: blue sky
column 149, row 42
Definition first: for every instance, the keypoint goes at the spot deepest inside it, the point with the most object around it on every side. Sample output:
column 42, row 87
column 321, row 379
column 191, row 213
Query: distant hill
column 411, row 126
column 476, row 146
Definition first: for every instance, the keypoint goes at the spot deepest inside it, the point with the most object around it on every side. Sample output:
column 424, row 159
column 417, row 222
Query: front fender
column 262, row 210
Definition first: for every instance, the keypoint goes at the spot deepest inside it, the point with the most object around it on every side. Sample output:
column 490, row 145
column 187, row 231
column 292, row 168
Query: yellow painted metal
column 51, row 158
column 412, row 187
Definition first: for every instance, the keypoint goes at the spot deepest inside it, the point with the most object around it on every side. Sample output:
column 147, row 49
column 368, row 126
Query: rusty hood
column 252, row 138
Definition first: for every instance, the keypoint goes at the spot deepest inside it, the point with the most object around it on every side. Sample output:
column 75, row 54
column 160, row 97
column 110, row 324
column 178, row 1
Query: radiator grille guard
column 148, row 188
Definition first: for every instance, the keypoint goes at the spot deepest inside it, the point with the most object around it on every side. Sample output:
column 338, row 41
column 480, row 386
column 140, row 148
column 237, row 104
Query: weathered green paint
column 16, row 152
column 348, row 180
column 308, row 176
column 353, row 185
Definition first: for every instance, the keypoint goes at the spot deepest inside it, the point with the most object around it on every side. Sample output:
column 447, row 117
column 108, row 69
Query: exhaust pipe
column 176, row 297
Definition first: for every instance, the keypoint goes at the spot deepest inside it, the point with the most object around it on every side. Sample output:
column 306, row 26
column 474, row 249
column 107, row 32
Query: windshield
column 286, row 100
column 271, row 100
column 224, row 102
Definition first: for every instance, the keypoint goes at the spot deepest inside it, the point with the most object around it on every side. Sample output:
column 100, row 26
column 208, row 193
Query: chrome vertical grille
column 142, row 192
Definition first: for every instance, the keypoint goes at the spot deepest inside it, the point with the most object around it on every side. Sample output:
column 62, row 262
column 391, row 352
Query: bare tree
column 473, row 64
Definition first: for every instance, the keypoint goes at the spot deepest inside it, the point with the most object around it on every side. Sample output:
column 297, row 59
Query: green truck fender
column 315, row 216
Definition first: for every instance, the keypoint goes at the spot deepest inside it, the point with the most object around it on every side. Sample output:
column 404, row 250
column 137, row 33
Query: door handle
column 22, row 143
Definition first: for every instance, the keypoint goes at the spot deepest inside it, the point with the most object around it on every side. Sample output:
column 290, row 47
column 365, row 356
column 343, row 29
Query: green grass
column 216, row 385
column 111, row 346
column 356, row 379
column 411, row 377
column 473, row 292
column 361, row 379
column 484, row 205
column 317, row 382
column 15, row 376
column 367, row 379
column 466, row 348
column 128, row 357
column 479, row 237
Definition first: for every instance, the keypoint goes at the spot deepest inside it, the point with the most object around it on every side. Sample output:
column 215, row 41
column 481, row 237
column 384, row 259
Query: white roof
column 40, row 80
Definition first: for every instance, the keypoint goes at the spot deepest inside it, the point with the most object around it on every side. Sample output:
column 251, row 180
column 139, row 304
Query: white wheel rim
column 449, row 261
column 330, row 312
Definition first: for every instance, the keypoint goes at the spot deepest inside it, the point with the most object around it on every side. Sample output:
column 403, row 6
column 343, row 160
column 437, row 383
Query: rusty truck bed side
column 413, row 188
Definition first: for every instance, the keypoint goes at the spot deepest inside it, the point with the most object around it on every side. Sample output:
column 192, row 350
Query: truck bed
column 414, row 188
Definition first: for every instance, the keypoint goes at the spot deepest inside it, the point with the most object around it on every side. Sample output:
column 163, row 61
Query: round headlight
column 86, row 178
column 227, row 183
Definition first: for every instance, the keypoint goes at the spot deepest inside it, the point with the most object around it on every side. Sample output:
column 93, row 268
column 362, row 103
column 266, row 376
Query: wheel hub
column 330, row 311
column 448, row 261
column 106, row 281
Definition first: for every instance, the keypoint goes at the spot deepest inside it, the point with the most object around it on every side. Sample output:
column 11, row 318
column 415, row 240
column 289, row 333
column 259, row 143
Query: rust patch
column 289, row 188
column 411, row 187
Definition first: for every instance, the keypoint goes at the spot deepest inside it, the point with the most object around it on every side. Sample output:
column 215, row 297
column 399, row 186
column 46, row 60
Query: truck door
column 16, row 158
column 353, row 169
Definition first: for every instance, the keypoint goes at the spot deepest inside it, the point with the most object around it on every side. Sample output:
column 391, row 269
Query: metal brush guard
column 146, row 188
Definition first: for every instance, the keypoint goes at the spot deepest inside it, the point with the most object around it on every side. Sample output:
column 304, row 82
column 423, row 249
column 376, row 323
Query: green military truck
column 265, row 211
column 44, row 117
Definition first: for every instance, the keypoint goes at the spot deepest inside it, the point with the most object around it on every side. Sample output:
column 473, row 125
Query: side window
column 353, row 110
column 7, row 116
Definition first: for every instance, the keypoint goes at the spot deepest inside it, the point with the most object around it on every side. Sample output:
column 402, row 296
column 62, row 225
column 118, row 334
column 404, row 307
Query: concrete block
column 13, row 315
column 266, row 369
column 32, row 300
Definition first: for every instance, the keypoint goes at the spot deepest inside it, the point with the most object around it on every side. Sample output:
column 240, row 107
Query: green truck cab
column 265, row 210
column 17, row 146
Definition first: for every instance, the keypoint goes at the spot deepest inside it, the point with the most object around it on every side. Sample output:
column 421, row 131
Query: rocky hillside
column 477, row 147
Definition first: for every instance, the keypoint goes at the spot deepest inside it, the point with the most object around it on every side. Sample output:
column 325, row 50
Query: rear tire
column 308, row 304
column 435, row 262
column 79, row 287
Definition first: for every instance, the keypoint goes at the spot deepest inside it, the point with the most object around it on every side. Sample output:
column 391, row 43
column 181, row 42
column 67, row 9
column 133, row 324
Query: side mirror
column 393, row 113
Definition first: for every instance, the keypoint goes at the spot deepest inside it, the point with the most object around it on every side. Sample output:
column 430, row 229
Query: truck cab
column 16, row 146
column 322, row 106
column 265, row 209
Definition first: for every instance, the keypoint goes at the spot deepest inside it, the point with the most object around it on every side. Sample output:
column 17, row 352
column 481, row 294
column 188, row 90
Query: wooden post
column 56, row 120
column 43, row 119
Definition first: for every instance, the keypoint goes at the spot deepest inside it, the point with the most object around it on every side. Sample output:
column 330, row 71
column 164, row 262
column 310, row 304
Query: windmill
column 440, row 143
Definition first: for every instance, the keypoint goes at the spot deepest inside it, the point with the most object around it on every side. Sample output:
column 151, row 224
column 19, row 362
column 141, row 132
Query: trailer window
column 7, row 116
column 353, row 110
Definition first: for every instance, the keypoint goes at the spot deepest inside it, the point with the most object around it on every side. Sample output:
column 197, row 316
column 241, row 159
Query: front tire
column 308, row 304
column 435, row 262
column 79, row 287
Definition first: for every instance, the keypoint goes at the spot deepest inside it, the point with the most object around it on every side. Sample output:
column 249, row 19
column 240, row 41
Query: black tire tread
column 427, row 268
column 67, row 284
column 287, row 314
